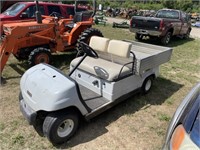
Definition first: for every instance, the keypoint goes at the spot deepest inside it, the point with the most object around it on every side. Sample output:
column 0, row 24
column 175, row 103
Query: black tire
column 114, row 25
column 86, row 35
column 166, row 39
column 138, row 36
column 147, row 84
column 55, row 121
column 187, row 35
column 39, row 55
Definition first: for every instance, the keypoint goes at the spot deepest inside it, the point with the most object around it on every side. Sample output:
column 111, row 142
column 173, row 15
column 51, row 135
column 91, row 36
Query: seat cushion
column 102, row 68
column 119, row 48
column 99, row 43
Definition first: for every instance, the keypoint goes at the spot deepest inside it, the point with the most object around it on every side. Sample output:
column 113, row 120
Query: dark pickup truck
column 165, row 24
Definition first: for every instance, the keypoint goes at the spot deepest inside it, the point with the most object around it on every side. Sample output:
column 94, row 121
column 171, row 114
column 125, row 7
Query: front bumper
column 28, row 113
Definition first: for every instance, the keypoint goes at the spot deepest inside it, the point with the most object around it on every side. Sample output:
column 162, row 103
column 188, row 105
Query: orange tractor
column 35, row 41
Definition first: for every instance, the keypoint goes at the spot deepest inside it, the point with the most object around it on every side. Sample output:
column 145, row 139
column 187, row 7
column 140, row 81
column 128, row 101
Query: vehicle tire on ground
column 85, row 37
column 138, row 36
column 59, row 127
column 187, row 35
column 39, row 55
column 147, row 84
column 166, row 39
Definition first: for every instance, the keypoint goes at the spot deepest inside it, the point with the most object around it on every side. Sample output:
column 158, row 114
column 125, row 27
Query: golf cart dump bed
column 149, row 56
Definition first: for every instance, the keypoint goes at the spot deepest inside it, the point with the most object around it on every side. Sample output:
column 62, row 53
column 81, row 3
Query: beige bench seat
column 102, row 68
column 113, row 55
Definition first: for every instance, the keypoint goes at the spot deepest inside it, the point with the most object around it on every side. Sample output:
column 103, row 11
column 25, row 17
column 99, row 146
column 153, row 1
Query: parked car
column 26, row 10
column 184, row 130
column 165, row 24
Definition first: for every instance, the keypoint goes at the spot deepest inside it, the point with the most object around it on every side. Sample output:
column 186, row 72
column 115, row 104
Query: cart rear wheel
column 58, row 128
column 147, row 84
column 39, row 55
column 85, row 37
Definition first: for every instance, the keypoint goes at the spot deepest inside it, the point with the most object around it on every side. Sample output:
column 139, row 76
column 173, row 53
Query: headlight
column 7, row 30
column 177, row 137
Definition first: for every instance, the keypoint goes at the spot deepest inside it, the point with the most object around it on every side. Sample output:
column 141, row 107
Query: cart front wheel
column 58, row 128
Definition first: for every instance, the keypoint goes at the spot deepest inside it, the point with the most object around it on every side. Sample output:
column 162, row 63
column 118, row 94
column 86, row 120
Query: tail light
column 161, row 25
column 133, row 23
column 177, row 137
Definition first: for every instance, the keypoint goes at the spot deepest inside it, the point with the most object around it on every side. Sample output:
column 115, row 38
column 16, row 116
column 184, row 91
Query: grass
column 132, row 123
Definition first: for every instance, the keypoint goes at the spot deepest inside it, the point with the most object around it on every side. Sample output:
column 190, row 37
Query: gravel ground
column 195, row 33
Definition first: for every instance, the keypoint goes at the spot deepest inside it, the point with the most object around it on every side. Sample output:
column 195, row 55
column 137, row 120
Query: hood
column 6, row 17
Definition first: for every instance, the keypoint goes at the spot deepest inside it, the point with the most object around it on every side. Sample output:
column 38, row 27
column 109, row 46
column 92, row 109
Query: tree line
column 185, row 5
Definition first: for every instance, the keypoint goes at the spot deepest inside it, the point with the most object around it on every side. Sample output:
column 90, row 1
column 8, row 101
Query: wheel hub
column 65, row 128
column 42, row 58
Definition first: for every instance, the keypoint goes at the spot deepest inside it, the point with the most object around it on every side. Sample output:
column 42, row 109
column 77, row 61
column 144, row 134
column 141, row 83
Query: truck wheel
column 138, row 36
column 58, row 128
column 166, row 39
column 187, row 35
column 39, row 55
column 147, row 84
column 85, row 37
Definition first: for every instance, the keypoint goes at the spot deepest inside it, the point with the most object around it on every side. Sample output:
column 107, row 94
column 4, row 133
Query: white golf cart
column 110, row 71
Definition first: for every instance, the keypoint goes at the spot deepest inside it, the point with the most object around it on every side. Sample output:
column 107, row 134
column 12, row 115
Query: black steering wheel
column 88, row 50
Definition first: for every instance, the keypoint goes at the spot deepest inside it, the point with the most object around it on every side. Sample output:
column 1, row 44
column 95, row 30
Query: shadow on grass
column 88, row 131
column 59, row 61
column 175, row 41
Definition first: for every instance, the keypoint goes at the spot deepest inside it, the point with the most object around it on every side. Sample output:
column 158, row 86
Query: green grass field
column 138, row 123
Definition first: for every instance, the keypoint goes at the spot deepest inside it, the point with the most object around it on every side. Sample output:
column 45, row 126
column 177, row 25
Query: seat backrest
column 119, row 48
column 99, row 43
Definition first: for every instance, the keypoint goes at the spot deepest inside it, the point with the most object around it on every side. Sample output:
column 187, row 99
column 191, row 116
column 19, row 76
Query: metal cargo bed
column 149, row 56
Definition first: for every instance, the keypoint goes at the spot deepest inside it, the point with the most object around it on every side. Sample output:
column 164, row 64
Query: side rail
column 132, row 70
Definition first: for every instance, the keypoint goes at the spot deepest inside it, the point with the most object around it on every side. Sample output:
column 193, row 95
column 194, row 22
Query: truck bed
column 149, row 56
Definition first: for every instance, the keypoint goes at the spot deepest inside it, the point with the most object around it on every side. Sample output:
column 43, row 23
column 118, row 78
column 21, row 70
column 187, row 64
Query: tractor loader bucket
column 6, row 48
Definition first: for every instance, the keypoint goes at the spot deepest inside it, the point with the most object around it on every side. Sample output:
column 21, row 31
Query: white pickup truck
column 109, row 72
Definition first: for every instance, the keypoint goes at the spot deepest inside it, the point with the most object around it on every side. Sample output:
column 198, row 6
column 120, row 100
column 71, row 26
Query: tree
column 169, row 4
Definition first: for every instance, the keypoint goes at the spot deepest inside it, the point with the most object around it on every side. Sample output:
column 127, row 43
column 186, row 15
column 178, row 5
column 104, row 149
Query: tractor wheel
column 39, row 55
column 85, row 37
column 59, row 127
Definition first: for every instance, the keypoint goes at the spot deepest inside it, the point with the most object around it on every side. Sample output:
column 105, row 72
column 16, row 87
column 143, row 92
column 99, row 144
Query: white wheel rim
column 65, row 128
column 148, row 85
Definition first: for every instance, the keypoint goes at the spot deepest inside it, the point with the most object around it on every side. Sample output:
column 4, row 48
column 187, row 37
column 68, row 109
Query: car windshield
column 167, row 14
column 14, row 9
